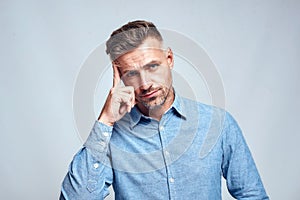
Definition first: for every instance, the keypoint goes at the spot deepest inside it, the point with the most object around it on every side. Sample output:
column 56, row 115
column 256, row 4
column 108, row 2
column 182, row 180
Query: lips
column 149, row 94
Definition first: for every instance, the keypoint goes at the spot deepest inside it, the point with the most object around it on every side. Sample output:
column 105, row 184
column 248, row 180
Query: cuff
column 98, row 140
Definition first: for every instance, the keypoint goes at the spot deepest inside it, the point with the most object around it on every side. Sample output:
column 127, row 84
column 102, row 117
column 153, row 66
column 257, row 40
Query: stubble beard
column 158, row 101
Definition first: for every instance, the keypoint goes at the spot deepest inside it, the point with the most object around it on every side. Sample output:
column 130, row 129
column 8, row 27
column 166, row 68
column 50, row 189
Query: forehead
column 149, row 50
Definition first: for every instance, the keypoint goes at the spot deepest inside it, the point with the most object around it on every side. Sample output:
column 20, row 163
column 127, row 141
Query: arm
column 239, row 170
column 89, row 174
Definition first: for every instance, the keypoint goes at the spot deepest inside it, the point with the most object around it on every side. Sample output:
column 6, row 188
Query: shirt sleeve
column 239, row 170
column 90, row 174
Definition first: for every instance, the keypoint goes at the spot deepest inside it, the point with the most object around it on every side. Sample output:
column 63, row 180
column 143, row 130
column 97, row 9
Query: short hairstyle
column 129, row 37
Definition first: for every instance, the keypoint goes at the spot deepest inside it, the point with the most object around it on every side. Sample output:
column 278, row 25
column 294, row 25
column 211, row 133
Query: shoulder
column 202, row 108
column 209, row 113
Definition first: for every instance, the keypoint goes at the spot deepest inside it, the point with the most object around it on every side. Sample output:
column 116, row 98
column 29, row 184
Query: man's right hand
column 119, row 101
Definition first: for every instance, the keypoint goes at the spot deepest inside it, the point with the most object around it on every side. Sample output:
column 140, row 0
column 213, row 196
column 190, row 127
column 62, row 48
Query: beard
column 156, row 101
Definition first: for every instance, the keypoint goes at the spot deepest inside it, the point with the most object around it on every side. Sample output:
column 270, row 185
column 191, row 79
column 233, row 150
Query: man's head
column 137, row 50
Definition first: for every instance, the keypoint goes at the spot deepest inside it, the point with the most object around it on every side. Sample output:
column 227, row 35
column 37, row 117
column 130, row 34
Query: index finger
column 116, row 76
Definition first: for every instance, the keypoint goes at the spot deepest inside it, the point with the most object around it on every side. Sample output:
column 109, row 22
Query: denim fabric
column 182, row 156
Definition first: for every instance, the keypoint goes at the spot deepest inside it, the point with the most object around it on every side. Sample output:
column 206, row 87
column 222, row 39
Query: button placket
column 166, row 154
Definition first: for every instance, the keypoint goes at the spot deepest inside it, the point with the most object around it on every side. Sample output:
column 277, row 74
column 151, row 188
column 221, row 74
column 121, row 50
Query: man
column 150, row 143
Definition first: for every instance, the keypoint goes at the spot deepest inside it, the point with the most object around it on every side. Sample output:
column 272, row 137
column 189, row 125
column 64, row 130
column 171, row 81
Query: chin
column 154, row 104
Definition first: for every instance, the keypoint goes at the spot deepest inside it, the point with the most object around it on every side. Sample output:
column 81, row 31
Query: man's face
column 148, row 70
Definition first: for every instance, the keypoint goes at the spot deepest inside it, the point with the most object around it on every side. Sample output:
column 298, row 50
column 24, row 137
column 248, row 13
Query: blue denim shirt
column 182, row 156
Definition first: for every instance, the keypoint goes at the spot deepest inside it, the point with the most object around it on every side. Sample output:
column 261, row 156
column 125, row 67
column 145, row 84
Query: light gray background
column 255, row 45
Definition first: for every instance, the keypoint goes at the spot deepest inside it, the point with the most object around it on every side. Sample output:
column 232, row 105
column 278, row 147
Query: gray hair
column 129, row 37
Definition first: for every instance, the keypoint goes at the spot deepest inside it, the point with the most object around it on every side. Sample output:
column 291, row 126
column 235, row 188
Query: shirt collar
column 177, row 106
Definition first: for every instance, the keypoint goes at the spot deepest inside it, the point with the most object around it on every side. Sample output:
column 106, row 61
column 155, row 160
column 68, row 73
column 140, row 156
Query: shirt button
column 102, row 143
column 96, row 165
column 172, row 180
column 106, row 134
column 167, row 153
column 161, row 128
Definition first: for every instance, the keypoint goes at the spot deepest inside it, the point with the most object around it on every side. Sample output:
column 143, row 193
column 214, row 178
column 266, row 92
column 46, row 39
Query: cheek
column 165, row 78
column 164, row 74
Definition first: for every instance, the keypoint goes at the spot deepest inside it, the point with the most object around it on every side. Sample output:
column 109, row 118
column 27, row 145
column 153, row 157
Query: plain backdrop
column 255, row 46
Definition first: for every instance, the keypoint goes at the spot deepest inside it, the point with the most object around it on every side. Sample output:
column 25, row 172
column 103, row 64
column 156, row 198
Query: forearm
column 89, row 174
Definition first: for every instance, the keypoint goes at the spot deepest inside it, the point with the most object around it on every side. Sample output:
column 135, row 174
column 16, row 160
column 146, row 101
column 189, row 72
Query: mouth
column 150, row 94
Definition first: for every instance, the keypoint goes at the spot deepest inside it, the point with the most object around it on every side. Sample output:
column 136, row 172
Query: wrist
column 105, row 121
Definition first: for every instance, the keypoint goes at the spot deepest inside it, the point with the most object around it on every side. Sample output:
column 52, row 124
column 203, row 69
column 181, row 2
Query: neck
column 157, row 112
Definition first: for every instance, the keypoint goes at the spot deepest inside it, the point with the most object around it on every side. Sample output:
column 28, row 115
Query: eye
column 131, row 73
column 152, row 66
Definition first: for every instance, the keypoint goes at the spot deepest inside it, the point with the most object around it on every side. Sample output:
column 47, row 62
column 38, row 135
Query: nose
column 144, row 81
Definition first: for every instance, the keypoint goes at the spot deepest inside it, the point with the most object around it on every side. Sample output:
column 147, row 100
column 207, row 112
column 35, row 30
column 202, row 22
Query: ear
column 170, row 58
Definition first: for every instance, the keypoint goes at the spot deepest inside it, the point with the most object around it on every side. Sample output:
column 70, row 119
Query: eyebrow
column 146, row 65
column 152, row 62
